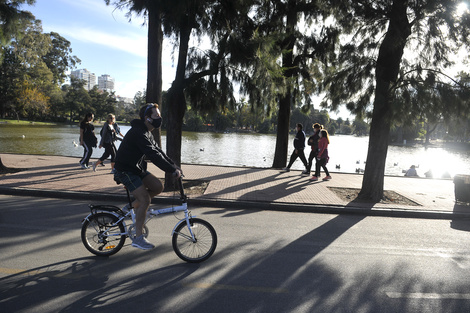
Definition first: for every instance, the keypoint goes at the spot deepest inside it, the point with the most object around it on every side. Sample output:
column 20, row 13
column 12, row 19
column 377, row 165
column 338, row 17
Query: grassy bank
column 22, row 122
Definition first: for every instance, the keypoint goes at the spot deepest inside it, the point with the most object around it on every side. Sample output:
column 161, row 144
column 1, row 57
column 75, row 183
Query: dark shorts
column 132, row 181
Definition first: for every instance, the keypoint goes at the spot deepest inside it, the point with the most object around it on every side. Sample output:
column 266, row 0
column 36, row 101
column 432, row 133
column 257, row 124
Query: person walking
column 322, row 157
column 87, row 139
column 313, row 142
column 299, row 146
column 131, row 167
column 108, row 137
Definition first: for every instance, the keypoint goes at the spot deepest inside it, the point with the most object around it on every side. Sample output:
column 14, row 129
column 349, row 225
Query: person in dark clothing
column 108, row 137
column 87, row 139
column 313, row 142
column 299, row 146
column 131, row 167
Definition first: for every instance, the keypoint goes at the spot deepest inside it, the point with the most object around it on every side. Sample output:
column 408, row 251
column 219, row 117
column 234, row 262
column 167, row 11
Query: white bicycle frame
column 150, row 214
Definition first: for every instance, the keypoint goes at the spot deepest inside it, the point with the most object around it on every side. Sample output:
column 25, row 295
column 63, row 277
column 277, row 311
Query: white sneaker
column 286, row 169
column 142, row 243
column 83, row 166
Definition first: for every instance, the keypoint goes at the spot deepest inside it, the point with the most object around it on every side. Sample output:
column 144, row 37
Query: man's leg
column 303, row 159
column 152, row 185
column 293, row 157
column 142, row 201
column 310, row 159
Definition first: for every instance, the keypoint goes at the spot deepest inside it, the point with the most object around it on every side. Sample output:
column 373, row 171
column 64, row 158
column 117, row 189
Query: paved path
column 235, row 187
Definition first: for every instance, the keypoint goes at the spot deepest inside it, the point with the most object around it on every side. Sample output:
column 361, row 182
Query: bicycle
column 104, row 230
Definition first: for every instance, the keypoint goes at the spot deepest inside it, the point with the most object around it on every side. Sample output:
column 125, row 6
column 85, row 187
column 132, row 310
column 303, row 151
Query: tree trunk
column 429, row 132
column 388, row 65
column 154, row 63
column 285, row 101
column 177, row 103
column 282, row 137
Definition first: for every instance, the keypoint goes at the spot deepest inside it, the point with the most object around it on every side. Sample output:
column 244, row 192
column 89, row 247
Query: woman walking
column 108, row 137
column 313, row 142
column 87, row 139
column 322, row 157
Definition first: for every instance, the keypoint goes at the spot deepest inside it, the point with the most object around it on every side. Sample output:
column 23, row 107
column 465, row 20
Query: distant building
column 87, row 76
column 106, row 83
column 127, row 102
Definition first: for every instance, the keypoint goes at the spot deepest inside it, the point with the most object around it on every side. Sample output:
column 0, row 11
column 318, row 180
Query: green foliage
column 59, row 57
column 422, row 90
column 12, row 20
column 34, row 64
column 77, row 100
column 101, row 103
column 361, row 128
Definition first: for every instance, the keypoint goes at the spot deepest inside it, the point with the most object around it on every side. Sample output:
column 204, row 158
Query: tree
column 205, row 76
column 77, row 99
column 10, row 81
column 371, row 65
column 300, row 51
column 26, row 72
column 58, row 58
column 12, row 20
column 102, row 103
column 361, row 128
column 152, row 10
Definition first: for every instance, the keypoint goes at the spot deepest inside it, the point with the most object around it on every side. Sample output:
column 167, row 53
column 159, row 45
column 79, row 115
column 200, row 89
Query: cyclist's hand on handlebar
column 177, row 174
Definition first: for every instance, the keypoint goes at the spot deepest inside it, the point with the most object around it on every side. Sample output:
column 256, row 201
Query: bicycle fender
column 87, row 218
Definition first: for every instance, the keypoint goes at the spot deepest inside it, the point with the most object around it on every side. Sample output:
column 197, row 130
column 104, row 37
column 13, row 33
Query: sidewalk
column 234, row 187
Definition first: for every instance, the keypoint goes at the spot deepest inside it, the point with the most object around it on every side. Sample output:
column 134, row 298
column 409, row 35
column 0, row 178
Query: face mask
column 156, row 123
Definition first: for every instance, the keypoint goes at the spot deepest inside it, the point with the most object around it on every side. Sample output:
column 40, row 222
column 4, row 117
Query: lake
column 242, row 149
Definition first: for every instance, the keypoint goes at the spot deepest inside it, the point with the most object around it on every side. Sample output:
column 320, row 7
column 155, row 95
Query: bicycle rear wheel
column 200, row 249
column 101, row 235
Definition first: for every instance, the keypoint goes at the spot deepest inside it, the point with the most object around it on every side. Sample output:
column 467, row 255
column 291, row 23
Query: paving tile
column 227, row 183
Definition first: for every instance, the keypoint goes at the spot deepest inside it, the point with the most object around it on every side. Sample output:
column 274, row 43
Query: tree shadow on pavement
column 296, row 278
column 54, row 284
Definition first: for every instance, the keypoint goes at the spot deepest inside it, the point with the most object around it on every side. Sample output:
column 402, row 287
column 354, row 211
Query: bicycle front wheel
column 199, row 249
column 101, row 235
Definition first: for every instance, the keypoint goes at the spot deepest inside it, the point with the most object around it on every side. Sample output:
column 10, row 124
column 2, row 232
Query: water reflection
column 240, row 149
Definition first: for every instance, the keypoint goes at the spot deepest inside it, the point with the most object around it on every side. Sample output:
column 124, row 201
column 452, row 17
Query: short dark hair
column 88, row 115
column 316, row 125
column 146, row 110
column 300, row 126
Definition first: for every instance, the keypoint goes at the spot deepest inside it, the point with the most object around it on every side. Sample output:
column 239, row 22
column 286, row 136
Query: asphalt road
column 265, row 262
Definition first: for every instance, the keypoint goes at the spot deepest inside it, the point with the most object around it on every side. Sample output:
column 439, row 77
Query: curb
column 246, row 205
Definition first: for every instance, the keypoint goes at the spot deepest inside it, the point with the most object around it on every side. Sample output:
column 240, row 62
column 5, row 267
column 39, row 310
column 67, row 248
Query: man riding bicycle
column 131, row 167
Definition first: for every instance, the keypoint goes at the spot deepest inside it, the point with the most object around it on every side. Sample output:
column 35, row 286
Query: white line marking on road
column 424, row 295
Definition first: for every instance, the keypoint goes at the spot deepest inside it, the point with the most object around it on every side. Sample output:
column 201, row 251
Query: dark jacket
column 313, row 141
column 88, row 136
column 138, row 145
column 299, row 140
column 107, row 135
